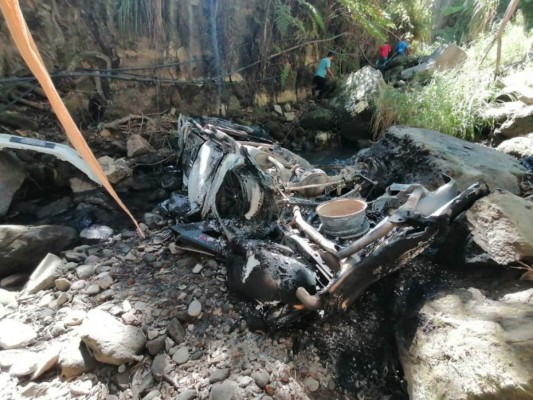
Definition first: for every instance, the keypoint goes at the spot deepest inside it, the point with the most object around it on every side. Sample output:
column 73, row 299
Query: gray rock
column 499, row 112
column 109, row 340
column 104, row 280
column 159, row 365
column 137, row 146
column 24, row 365
column 502, row 225
column 96, row 233
column 176, row 331
column 277, row 109
column 421, row 155
column 152, row 220
column 188, row 394
column 115, row 170
column 85, row 271
column 78, row 185
column 461, row 345
column 45, row 274
column 181, row 356
column 520, row 147
column 223, row 391
column 11, row 182
column 261, row 378
column 519, row 124
column 23, row 247
column 156, row 345
column 62, row 284
column 289, row 116
column 75, row 359
column 311, row 384
column 195, row 308
column 46, row 360
column 14, row 334
column 92, row 290
column 219, row 375
column 14, row 280
column 54, row 208
column 244, row 381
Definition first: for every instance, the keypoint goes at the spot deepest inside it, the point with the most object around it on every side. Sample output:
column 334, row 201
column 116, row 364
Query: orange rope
column 27, row 48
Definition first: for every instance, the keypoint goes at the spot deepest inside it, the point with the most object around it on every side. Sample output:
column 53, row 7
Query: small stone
column 176, row 331
column 46, row 360
column 92, row 260
column 62, row 284
column 122, row 368
column 24, row 365
column 105, row 280
column 188, row 394
column 311, row 384
column 219, row 375
column 14, row 334
column 45, row 274
column 196, row 355
column 85, row 271
column 96, row 233
column 137, row 146
column 244, row 381
column 92, row 290
column 62, row 299
column 58, row 329
column 78, row 285
column 159, row 365
column 71, row 265
column 261, row 378
column 277, row 109
column 122, row 380
column 195, row 308
column 75, row 359
column 156, row 345
column 197, row 268
column 223, row 391
column 181, row 356
column 81, row 388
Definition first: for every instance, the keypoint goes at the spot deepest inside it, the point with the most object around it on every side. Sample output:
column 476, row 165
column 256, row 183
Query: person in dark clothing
column 322, row 73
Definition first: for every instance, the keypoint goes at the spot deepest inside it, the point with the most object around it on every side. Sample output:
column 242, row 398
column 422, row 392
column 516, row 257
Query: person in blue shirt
column 402, row 48
column 322, row 73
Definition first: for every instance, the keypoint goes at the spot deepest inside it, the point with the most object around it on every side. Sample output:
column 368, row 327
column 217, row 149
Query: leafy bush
column 451, row 101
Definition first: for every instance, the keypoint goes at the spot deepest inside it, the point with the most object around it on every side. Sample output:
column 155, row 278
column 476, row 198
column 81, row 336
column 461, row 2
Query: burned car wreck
column 296, row 236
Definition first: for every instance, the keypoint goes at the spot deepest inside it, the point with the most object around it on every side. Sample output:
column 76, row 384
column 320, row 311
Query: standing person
column 384, row 51
column 402, row 48
column 322, row 72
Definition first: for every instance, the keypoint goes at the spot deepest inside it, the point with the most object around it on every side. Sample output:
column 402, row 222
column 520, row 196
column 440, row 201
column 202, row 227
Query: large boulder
column 407, row 154
column 521, row 146
column 12, row 175
column 520, row 123
column 23, row 247
column 445, row 57
column 500, row 112
column 517, row 86
column 352, row 103
column 502, row 225
column 462, row 345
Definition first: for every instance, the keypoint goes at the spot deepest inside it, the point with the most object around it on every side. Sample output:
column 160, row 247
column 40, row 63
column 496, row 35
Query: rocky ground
column 138, row 318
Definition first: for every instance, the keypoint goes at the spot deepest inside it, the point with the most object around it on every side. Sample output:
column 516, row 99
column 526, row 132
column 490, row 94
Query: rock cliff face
column 200, row 43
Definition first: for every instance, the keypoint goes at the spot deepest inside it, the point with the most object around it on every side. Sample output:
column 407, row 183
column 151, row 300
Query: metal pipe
column 313, row 234
column 296, row 188
column 378, row 232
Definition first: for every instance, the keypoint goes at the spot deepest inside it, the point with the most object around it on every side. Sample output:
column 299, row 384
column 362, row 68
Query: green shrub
column 451, row 102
